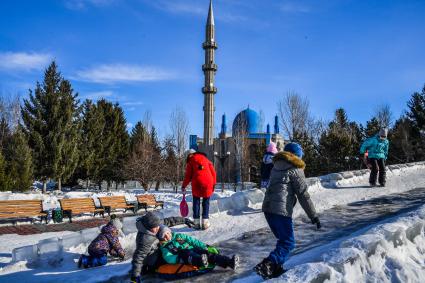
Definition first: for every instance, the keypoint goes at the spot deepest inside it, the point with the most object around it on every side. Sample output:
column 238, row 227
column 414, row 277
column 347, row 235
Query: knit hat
column 162, row 231
column 383, row 132
column 116, row 222
column 272, row 148
column 150, row 220
column 295, row 149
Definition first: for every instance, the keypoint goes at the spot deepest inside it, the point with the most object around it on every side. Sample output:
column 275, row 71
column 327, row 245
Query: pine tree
column 114, row 143
column 372, row 127
column 4, row 178
column 19, row 162
column 339, row 145
column 93, row 123
column 416, row 115
column 50, row 118
column 416, row 107
column 402, row 147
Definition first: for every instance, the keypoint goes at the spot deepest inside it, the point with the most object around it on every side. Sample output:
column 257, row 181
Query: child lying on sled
column 181, row 248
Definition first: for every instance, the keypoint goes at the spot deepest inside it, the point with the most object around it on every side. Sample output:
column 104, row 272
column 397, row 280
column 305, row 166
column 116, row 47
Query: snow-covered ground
column 327, row 192
column 390, row 252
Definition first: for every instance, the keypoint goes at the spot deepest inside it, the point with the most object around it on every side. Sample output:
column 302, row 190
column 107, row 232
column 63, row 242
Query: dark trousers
column 377, row 165
column 194, row 257
column 283, row 230
column 197, row 208
column 93, row 260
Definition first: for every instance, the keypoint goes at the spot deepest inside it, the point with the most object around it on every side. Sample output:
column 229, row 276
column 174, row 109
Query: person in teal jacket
column 181, row 248
column 377, row 150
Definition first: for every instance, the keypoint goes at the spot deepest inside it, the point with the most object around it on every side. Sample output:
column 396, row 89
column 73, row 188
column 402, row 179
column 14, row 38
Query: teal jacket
column 179, row 242
column 375, row 147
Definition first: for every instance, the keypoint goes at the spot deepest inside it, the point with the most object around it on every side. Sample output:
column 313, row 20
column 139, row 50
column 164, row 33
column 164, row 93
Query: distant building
column 248, row 136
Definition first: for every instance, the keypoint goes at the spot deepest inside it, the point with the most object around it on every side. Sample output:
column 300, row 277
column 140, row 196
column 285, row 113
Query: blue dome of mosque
column 249, row 119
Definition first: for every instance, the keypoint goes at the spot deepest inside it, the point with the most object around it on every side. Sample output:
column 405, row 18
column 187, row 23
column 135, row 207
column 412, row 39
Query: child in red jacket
column 201, row 173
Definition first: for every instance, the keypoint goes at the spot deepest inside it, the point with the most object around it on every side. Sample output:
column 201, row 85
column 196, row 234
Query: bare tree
column 179, row 125
column 240, row 136
column 294, row 114
column 384, row 115
column 143, row 165
column 10, row 110
column 262, row 119
column 147, row 120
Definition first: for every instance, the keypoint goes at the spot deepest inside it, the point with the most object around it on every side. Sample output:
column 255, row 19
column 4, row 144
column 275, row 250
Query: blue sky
column 147, row 55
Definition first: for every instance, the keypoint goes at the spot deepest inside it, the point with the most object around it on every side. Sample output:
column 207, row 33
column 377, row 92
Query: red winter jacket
column 200, row 171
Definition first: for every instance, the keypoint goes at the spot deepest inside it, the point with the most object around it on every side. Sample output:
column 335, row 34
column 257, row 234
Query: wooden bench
column 116, row 202
column 75, row 206
column 145, row 201
column 19, row 209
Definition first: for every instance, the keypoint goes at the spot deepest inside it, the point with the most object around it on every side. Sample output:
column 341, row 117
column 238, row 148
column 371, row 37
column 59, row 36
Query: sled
column 184, row 209
column 183, row 271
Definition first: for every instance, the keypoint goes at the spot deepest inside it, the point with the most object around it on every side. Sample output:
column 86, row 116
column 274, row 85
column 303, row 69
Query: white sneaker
column 197, row 224
column 205, row 224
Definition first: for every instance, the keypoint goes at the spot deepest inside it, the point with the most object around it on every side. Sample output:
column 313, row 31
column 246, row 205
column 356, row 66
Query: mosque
column 248, row 139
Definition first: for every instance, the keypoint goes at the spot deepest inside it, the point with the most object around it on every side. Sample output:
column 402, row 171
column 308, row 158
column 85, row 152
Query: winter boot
column 197, row 225
column 234, row 262
column 263, row 268
column 382, row 185
column 372, row 185
column 80, row 261
column 205, row 224
column 268, row 269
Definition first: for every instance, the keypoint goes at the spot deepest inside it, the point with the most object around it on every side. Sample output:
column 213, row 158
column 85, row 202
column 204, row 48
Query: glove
column 189, row 223
column 212, row 250
column 135, row 279
column 316, row 221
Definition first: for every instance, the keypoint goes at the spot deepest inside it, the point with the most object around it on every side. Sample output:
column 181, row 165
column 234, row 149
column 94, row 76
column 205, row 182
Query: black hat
column 150, row 220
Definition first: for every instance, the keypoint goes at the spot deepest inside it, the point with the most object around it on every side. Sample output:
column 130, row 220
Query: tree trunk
column 44, row 186
column 158, row 183
column 87, row 184
column 60, row 184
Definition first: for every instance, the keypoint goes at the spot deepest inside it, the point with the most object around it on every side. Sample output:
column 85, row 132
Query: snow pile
column 389, row 252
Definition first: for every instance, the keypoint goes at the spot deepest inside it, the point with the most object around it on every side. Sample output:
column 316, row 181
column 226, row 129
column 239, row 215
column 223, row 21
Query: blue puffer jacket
column 376, row 147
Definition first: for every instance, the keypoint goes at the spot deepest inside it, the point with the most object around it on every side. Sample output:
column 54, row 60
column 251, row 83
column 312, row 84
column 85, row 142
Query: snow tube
column 181, row 271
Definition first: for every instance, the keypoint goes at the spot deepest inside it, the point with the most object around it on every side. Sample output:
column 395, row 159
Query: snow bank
column 389, row 252
column 233, row 215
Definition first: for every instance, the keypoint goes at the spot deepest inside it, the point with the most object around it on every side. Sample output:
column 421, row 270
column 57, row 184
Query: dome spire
column 210, row 21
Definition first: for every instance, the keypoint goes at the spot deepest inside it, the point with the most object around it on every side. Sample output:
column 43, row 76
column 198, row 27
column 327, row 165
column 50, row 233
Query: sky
column 147, row 56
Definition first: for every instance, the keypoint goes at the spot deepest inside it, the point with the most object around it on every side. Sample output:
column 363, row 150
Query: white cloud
column 98, row 95
column 83, row 4
column 24, row 61
column 129, row 126
column 292, row 7
column 132, row 103
column 195, row 8
column 109, row 74
column 179, row 6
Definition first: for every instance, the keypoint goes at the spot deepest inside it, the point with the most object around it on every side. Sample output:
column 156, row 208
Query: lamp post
column 222, row 158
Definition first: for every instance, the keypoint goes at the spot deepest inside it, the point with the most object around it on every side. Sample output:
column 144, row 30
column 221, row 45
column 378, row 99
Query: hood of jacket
column 110, row 229
column 198, row 156
column 285, row 160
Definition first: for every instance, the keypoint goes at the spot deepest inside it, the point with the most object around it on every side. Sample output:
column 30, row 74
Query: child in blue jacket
column 377, row 149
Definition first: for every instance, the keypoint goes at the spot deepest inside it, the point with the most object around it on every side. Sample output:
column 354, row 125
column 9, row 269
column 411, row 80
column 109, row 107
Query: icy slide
column 242, row 215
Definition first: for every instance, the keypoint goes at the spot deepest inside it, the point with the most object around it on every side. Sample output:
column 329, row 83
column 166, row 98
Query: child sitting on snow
column 106, row 242
column 181, row 248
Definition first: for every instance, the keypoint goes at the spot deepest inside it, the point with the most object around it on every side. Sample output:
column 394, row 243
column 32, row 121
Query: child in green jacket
column 181, row 248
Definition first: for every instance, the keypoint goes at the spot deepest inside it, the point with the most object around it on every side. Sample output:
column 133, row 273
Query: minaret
column 209, row 89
